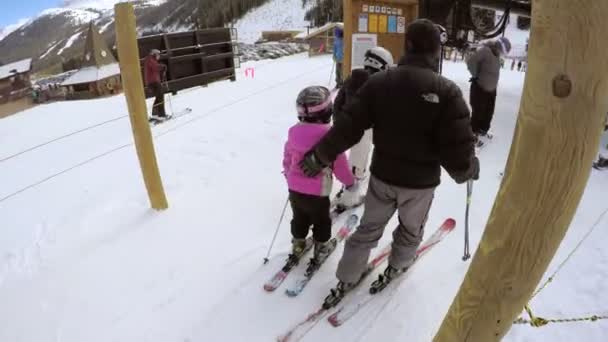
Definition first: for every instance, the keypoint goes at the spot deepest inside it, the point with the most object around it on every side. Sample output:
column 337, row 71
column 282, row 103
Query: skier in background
column 376, row 59
column 484, row 66
column 309, row 197
column 421, row 122
column 153, row 70
column 339, row 53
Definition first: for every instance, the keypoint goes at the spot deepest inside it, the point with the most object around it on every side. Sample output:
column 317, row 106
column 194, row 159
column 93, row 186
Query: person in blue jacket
column 339, row 53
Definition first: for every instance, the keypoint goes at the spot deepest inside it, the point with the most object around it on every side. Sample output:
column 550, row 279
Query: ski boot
column 482, row 139
column 349, row 198
column 337, row 294
column 601, row 164
column 298, row 248
column 389, row 274
column 322, row 250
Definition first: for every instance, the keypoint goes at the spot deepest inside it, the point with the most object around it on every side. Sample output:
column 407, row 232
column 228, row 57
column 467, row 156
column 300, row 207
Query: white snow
column 79, row 16
column 83, row 258
column 105, row 27
column 69, row 42
column 15, row 68
column 11, row 28
column 102, row 4
column 51, row 48
column 91, row 74
column 275, row 15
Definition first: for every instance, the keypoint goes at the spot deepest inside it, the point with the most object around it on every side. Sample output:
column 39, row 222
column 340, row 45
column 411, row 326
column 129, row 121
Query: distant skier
column 376, row 59
column 421, row 122
column 153, row 70
column 338, row 52
column 519, row 66
column 309, row 197
column 484, row 66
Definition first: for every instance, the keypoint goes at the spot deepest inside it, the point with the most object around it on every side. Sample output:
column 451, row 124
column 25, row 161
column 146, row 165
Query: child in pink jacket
column 309, row 197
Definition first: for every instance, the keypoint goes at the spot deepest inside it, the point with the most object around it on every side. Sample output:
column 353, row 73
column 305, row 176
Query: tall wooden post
column 347, row 6
column 556, row 138
column 128, row 53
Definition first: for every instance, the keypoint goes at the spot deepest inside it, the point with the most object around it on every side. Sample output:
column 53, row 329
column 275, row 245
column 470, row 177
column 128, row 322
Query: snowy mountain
column 274, row 15
column 53, row 36
column 5, row 31
column 98, row 4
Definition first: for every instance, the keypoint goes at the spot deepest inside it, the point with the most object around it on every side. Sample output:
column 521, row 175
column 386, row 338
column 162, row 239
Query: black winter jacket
column 420, row 122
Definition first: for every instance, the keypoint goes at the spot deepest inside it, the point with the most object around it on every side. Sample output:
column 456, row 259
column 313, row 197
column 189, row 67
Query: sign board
column 363, row 22
column 383, row 24
column 400, row 24
column 392, row 24
column 362, row 43
column 373, row 23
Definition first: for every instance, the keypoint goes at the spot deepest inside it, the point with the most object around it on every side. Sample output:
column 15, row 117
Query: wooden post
column 128, row 53
column 556, row 139
column 347, row 37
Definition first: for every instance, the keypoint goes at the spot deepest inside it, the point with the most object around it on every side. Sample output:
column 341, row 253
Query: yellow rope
column 538, row 322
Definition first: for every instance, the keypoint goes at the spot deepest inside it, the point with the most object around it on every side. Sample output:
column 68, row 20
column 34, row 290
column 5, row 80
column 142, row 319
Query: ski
column 349, row 310
column 278, row 278
column 299, row 285
column 302, row 328
column 155, row 122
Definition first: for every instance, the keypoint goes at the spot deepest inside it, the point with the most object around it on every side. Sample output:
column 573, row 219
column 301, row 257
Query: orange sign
column 383, row 24
column 373, row 23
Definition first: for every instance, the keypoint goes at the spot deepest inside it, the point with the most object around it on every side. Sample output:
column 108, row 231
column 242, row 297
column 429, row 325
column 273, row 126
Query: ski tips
column 449, row 224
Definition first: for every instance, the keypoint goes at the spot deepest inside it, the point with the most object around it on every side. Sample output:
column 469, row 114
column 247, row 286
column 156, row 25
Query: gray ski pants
column 381, row 202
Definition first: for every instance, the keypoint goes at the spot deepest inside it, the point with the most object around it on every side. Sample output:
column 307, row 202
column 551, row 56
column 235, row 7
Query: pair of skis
column 183, row 112
column 300, row 283
column 358, row 302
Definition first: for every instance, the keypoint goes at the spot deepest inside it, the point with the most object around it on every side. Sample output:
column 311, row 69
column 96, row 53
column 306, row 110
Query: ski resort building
column 15, row 80
column 99, row 74
column 321, row 40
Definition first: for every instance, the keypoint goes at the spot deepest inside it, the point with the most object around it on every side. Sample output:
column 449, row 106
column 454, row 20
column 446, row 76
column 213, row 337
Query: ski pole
column 166, row 86
column 276, row 231
column 467, row 254
column 333, row 67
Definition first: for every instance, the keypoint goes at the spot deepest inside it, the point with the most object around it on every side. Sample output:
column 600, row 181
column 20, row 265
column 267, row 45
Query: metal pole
column 266, row 259
column 467, row 253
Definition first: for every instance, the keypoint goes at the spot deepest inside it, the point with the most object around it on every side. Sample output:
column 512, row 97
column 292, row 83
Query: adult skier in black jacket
column 420, row 122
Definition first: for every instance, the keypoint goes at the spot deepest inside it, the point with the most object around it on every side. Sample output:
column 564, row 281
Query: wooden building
column 320, row 40
column 99, row 74
column 279, row 36
column 15, row 80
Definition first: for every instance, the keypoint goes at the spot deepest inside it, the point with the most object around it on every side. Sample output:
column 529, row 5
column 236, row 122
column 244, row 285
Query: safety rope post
column 126, row 42
column 557, row 117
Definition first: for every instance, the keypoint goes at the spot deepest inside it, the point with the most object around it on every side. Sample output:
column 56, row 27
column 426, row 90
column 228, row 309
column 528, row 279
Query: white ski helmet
column 378, row 59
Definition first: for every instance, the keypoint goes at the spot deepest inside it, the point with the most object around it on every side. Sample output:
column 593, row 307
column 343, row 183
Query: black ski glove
column 471, row 173
column 475, row 168
column 311, row 165
column 473, row 79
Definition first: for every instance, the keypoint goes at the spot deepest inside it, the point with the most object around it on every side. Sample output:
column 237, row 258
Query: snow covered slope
column 274, row 15
column 83, row 258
